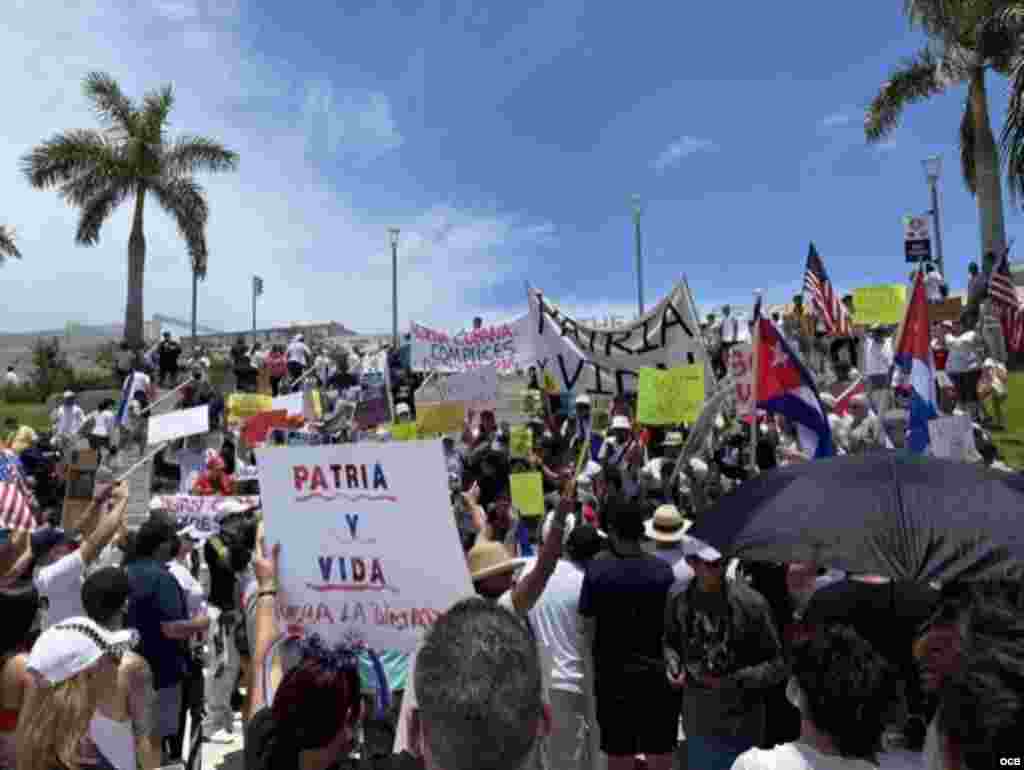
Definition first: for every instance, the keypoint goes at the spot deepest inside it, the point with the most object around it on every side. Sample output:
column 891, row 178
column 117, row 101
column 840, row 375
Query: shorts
column 639, row 716
column 295, row 369
column 967, row 385
column 167, row 712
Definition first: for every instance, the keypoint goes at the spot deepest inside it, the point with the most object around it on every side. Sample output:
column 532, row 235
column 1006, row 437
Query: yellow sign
column 670, row 396
column 879, row 304
column 443, row 417
column 521, row 441
column 242, row 406
column 1013, row 408
column 550, row 383
column 528, row 494
column 405, row 431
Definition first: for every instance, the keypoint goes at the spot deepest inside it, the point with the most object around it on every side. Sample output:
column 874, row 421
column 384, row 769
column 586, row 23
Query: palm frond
column 96, row 212
column 185, row 200
column 66, row 156
column 1012, row 139
column 967, row 166
column 8, row 246
column 111, row 105
column 940, row 19
column 156, row 109
column 191, row 154
column 915, row 80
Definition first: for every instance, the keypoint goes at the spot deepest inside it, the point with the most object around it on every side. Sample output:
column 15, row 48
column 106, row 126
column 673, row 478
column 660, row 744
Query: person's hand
column 472, row 495
column 265, row 566
column 119, row 492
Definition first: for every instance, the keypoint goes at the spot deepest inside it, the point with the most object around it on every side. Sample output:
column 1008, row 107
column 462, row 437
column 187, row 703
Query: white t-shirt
column 67, row 420
column 298, row 352
column 195, row 599
column 933, row 286
column 191, row 462
column 104, row 425
column 139, row 382
column 963, row 353
column 61, row 584
column 556, row 622
column 796, row 756
column 877, row 356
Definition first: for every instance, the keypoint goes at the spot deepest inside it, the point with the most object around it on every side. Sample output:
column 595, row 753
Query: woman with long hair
column 68, row 664
column 19, row 607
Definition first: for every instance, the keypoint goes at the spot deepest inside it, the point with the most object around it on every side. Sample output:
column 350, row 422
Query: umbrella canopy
column 886, row 513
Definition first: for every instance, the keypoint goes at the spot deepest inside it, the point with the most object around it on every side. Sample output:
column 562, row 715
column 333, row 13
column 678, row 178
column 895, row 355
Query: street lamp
column 393, row 234
column 932, row 171
column 637, row 210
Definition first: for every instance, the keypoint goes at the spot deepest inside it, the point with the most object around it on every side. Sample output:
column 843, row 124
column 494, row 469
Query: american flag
column 1004, row 300
column 15, row 510
column 824, row 301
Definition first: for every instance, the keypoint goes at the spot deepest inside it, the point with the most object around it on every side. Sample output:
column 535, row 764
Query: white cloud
column 837, row 120
column 683, row 147
column 321, row 256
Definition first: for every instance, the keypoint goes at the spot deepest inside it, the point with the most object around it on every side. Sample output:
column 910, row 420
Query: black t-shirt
column 264, row 752
column 626, row 596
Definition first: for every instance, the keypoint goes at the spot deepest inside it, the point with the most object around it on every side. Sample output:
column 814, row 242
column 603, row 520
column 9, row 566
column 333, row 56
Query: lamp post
column 393, row 234
column 637, row 211
column 932, row 171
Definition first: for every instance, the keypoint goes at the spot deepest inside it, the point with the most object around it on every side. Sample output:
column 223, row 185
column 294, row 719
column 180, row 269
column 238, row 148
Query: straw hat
column 621, row 422
column 674, row 438
column 668, row 525
column 489, row 558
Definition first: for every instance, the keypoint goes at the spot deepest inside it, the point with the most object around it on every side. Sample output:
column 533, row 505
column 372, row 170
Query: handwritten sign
column 741, row 367
column 203, row 513
column 496, row 346
column 375, row 519
column 444, row 417
column 242, row 406
column 527, row 493
column 951, row 437
column 671, row 396
column 520, row 441
column 879, row 304
column 175, row 425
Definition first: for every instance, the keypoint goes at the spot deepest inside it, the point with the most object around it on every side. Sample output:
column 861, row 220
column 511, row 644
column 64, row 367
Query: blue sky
column 503, row 138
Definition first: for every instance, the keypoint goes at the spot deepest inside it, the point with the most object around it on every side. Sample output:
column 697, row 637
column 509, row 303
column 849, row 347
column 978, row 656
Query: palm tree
column 96, row 171
column 8, row 247
column 966, row 39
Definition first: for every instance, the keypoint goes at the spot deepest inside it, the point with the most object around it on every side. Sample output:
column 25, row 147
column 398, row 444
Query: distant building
column 313, row 332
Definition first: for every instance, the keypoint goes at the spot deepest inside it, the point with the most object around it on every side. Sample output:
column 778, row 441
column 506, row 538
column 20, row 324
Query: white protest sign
column 951, row 437
column 361, row 528
column 500, row 345
column 479, row 385
column 741, row 367
column 203, row 513
column 293, row 403
column 175, row 425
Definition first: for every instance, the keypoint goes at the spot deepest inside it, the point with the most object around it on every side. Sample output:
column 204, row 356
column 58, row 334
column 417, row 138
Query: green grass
column 1011, row 448
column 36, row 416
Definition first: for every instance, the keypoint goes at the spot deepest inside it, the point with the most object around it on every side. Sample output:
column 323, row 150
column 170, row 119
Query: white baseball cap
column 583, row 400
column 621, row 422
column 67, row 649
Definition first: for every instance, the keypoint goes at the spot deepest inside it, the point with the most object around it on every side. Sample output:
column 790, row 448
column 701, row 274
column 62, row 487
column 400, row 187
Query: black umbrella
column 887, row 513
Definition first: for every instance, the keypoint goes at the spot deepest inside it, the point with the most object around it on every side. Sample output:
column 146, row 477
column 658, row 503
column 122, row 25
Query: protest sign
column 951, row 437
column 175, row 425
column 527, row 493
column 404, row 431
column 520, row 441
column 879, row 304
column 374, row 406
column 242, row 406
column 606, row 362
column 741, row 367
column 671, row 396
column 203, row 513
column 499, row 345
column 360, row 525
column 291, row 403
column 480, row 385
column 444, row 417
column 79, row 488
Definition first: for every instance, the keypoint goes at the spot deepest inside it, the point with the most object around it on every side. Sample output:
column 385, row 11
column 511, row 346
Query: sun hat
column 667, row 525
column 583, row 400
column 67, row 649
column 402, row 408
column 621, row 422
column 68, row 394
column 489, row 558
column 698, row 549
column 675, row 438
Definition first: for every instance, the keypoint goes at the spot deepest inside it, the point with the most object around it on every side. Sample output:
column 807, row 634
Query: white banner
column 175, row 425
column 500, row 345
column 204, row 513
column 741, row 367
column 667, row 335
column 374, row 520
column 952, row 437
column 478, row 385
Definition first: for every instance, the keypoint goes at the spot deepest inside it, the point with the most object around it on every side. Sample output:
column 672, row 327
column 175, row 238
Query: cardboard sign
column 242, row 406
column 947, row 310
column 672, row 396
column 880, row 304
column 175, row 425
column 527, row 493
column 374, row 520
column 741, row 367
column 446, row 417
column 951, row 437
column 204, row 513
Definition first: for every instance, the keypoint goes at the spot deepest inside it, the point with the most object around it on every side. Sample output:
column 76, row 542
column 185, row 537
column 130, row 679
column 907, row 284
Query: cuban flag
column 914, row 368
column 784, row 386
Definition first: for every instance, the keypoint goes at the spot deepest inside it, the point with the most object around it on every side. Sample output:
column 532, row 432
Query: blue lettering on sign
column 353, row 521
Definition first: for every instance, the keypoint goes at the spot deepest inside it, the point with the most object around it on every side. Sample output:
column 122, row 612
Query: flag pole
column 165, row 396
column 754, row 427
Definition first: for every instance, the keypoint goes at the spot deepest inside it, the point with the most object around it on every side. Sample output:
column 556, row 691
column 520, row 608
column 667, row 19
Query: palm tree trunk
column 986, row 158
column 133, row 313
column 195, row 292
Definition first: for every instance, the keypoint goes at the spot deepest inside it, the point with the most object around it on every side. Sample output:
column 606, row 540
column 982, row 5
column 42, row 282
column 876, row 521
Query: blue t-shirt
column 626, row 597
column 157, row 598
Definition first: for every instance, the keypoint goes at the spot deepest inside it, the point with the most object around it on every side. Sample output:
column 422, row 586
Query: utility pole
column 257, row 291
column 932, row 171
column 637, row 210
column 393, row 235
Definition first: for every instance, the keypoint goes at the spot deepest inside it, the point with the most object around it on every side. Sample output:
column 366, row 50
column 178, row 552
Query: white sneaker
column 222, row 736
